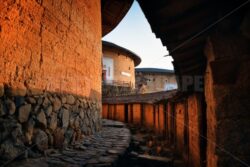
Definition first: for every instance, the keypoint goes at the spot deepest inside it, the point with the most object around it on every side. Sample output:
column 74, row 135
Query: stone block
column 52, row 123
column 10, row 150
column 65, row 118
column 48, row 111
column 31, row 100
column 11, row 107
column 70, row 99
column 46, row 102
column 41, row 140
column 57, row 104
column 58, row 138
column 24, row 112
column 63, row 99
column 29, row 131
column 3, row 110
column 41, row 118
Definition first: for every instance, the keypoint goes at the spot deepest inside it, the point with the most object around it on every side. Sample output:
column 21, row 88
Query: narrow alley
column 117, row 83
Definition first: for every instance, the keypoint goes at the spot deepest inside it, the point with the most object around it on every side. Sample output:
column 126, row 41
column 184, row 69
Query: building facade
column 150, row 80
column 50, row 77
column 118, row 66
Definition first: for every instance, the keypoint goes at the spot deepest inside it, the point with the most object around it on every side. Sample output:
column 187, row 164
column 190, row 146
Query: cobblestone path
column 113, row 146
column 102, row 149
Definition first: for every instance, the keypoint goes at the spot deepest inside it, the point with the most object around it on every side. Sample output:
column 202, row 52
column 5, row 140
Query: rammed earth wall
column 50, row 77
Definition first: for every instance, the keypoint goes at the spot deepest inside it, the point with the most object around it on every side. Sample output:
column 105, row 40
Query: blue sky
column 135, row 34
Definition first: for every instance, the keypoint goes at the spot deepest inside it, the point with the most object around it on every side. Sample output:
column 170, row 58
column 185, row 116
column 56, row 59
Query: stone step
column 114, row 124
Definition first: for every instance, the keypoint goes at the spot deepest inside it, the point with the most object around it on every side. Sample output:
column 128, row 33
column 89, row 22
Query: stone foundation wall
column 48, row 120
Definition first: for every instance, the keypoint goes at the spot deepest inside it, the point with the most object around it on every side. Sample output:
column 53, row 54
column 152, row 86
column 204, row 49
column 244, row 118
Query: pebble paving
column 102, row 149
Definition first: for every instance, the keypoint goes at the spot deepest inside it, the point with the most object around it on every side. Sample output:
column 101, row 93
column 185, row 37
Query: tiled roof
column 141, row 98
column 132, row 55
column 154, row 70
column 113, row 12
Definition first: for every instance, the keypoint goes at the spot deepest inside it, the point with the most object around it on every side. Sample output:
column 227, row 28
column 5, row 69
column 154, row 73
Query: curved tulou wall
column 123, row 73
column 50, row 77
column 122, row 64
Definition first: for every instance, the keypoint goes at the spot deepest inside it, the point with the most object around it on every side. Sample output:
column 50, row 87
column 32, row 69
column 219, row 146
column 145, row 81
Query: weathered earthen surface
column 50, row 62
column 148, row 116
column 195, row 125
column 148, row 82
column 52, row 45
column 180, row 126
column 179, row 122
column 122, row 64
column 227, row 101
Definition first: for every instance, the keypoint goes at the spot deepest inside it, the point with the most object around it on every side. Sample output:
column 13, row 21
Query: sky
column 135, row 34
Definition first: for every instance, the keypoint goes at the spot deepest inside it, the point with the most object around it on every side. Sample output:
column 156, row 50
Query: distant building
column 118, row 67
column 118, row 71
column 150, row 80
